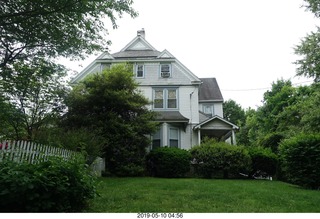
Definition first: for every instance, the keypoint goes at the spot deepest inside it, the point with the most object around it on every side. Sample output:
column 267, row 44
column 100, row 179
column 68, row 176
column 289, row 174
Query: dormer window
column 165, row 70
column 139, row 71
column 104, row 66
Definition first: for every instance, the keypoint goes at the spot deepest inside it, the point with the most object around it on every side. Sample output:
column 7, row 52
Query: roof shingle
column 209, row 90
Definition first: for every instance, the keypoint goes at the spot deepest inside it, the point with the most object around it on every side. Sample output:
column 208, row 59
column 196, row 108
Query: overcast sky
column 245, row 45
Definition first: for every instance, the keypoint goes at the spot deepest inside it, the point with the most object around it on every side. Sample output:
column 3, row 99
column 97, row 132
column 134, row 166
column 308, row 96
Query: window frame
column 170, row 70
column 137, row 69
column 170, row 137
column 204, row 106
column 104, row 66
column 155, row 138
column 165, row 98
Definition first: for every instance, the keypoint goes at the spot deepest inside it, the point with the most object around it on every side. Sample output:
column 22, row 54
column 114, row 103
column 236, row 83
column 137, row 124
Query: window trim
column 136, row 70
column 170, row 70
column 165, row 99
column 208, row 105
column 160, row 138
column 104, row 66
column 169, row 136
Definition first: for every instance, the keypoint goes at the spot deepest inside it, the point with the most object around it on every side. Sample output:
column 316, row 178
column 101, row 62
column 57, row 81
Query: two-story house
column 189, row 108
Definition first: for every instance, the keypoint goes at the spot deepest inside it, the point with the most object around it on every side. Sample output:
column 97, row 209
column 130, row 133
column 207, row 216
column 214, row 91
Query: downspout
column 191, row 130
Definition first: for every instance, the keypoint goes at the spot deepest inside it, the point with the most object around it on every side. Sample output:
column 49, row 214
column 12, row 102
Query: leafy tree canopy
column 110, row 104
column 233, row 112
column 33, row 93
column 68, row 28
column 309, row 48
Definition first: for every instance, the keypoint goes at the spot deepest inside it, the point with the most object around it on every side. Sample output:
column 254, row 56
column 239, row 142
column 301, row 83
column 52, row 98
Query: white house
column 189, row 108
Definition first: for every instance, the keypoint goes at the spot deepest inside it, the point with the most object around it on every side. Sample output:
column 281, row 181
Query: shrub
column 213, row 157
column 263, row 159
column 168, row 162
column 300, row 160
column 272, row 141
column 52, row 186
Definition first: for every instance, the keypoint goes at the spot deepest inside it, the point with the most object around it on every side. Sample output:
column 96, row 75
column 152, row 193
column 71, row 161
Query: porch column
column 165, row 135
column 233, row 137
column 199, row 136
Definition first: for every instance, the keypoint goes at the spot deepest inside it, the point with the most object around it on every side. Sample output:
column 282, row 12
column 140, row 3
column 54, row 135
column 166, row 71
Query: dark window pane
column 174, row 143
column 172, row 103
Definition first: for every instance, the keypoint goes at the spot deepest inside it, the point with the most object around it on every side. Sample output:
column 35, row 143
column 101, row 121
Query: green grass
column 129, row 195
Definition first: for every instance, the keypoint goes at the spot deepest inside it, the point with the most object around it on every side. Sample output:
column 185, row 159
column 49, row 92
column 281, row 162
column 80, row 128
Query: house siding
column 217, row 108
column 192, row 92
column 152, row 75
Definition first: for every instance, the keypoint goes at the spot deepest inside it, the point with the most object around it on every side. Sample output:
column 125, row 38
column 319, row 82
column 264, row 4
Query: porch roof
column 226, row 125
column 171, row 116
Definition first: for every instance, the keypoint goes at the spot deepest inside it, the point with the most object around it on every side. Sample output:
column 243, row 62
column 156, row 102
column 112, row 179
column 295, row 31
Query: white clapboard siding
column 26, row 151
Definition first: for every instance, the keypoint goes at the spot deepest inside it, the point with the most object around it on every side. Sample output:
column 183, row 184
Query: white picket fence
column 25, row 151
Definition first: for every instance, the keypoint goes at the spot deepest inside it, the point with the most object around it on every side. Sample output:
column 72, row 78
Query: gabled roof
column 233, row 126
column 165, row 54
column 209, row 90
column 137, row 49
column 136, row 54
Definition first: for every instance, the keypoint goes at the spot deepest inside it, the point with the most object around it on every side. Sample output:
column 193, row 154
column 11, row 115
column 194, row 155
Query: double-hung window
column 139, row 71
column 174, row 137
column 165, row 70
column 165, row 98
column 156, row 139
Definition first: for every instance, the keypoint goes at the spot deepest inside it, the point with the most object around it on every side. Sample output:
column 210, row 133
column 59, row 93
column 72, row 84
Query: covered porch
column 218, row 128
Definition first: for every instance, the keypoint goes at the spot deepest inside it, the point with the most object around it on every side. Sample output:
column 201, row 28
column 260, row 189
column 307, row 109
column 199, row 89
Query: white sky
column 244, row 44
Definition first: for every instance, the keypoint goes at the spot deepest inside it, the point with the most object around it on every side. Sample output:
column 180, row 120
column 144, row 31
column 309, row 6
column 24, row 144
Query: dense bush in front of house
column 168, row 162
column 272, row 141
column 211, row 158
column 263, row 159
column 52, row 186
column 300, row 160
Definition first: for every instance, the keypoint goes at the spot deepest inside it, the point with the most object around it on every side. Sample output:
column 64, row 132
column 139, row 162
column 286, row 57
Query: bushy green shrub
column 52, row 186
column 300, row 160
column 272, row 140
column 263, row 159
column 211, row 158
column 168, row 162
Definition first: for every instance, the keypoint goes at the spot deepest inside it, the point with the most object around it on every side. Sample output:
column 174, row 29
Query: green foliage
column 309, row 50
column 300, row 160
column 286, row 111
column 33, row 92
column 233, row 112
column 110, row 104
column 66, row 28
column 272, row 141
column 263, row 160
column 52, row 186
column 212, row 157
column 83, row 140
column 168, row 162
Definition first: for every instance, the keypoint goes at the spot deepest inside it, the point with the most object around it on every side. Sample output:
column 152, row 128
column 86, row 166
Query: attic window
column 165, row 70
column 104, row 66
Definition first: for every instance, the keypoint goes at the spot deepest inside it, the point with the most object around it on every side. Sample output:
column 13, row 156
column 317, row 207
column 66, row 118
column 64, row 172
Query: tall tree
column 69, row 28
column 111, row 104
column 309, row 48
column 233, row 112
column 34, row 93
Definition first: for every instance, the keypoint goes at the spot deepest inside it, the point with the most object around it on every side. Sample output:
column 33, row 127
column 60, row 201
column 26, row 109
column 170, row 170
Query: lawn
column 127, row 195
